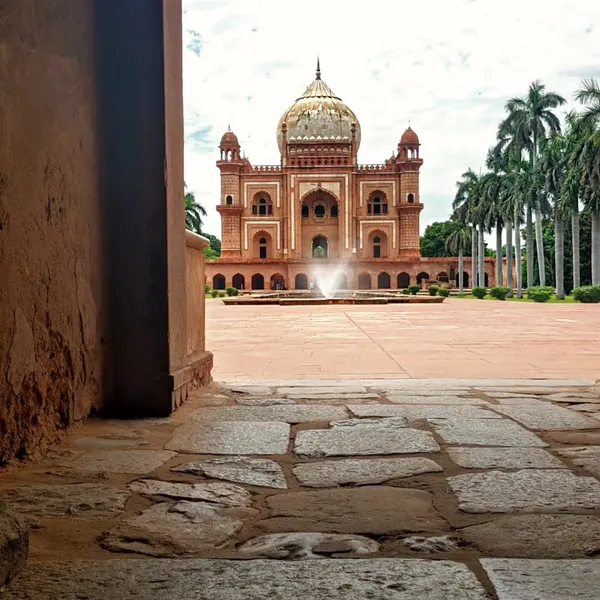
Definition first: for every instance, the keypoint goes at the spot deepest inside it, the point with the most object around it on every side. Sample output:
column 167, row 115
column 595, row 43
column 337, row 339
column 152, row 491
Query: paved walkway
column 403, row 489
column 459, row 338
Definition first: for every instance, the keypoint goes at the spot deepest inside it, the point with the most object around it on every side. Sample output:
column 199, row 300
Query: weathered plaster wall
column 52, row 314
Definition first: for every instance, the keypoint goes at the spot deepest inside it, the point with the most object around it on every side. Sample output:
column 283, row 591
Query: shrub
column 214, row 293
column 319, row 252
column 414, row 289
column 479, row 292
column 231, row 291
column 405, row 292
column 588, row 294
column 444, row 292
column 499, row 292
column 206, row 288
column 222, row 294
column 433, row 290
column 539, row 293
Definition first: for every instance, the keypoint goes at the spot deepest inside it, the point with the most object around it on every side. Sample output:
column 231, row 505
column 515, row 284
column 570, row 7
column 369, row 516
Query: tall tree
column 194, row 212
column 457, row 243
column 588, row 160
column 467, row 208
column 529, row 120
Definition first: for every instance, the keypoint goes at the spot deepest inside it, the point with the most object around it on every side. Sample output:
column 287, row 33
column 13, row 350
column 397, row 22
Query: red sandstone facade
column 320, row 209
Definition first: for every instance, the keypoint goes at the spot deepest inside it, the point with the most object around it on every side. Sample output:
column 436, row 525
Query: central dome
column 318, row 112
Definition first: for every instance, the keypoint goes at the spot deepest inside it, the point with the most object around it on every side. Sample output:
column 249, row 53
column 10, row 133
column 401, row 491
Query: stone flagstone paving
column 385, row 489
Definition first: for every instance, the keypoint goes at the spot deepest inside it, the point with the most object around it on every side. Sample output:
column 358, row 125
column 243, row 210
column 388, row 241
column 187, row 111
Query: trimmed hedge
column 540, row 293
column 444, row 292
column 588, row 294
column 231, row 291
column 479, row 292
column 214, row 293
column 433, row 290
column 499, row 292
column 206, row 288
column 405, row 292
column 414, row 289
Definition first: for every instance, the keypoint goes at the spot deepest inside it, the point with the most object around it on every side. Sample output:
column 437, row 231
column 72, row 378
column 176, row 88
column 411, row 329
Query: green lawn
column 553, row 300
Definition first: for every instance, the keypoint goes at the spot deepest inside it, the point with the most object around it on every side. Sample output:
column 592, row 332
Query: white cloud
column 448, row 66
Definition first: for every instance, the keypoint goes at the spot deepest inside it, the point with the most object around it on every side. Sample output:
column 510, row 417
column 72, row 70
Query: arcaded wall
column 52, row 312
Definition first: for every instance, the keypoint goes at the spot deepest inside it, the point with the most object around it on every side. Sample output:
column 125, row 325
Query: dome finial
column 318, row 68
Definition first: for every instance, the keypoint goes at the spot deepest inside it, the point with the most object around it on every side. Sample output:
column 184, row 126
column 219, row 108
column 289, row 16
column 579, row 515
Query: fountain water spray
column 328, row 277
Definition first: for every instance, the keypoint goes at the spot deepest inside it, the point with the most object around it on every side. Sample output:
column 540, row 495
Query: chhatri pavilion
column 319, row 207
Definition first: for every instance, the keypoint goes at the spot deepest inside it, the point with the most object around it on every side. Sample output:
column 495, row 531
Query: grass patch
column 553, row 300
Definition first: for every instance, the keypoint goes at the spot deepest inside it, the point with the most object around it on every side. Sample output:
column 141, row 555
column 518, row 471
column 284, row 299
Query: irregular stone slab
column 510, row 395
column 574, row 397
column 580, row 452
column 445, row 399
column 194, row 579
column 92, row 442
column 578, row 400
column 301, row 546
column 521, row 401
column 438, row 543
column 264, row 401
column 333, row 398
column 591, row 408
column 14, row 543
column 367, row 471
column 354, row 423
column 412, row 391
column 81, row 500
column 319, row 390
column 536, row 390
column 550, row 536
column 225, row 494
column 118, row 461
column 256, row 390
column 169, row 529
column 504, row 458
column 252, row 471
column 587, row 457
column 528, row 579
column 375, row 510
column 232, row 437
column 486, row 432
column 415, row 413
column 548, row 417
column 575, row 437
column 299, row 413
column 349, row 441
column 525, row 491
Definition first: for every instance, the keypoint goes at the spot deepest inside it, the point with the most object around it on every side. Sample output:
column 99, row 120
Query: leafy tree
column 433, row 240
column 214, row 250
column 194, row 212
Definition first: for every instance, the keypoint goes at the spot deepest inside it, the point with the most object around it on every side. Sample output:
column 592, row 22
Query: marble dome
column 318, row 115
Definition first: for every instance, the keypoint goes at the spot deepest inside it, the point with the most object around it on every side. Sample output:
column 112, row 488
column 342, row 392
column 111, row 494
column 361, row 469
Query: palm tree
column 194, row 212
column 467, row 208
column 456, row 243
column 552, row 167
column 587, row 157
column 528, row 121
column 492, row 184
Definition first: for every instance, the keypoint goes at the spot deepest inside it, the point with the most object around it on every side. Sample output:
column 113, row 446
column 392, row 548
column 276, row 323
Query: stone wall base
column 14, row 544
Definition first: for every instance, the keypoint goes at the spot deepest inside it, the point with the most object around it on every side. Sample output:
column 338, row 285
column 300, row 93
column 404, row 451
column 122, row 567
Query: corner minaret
column 231, row 205
column 408, row 163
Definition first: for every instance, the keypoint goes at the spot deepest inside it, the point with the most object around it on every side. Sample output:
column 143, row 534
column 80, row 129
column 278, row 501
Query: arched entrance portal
column 320, row 247
column 219, row 282
column 301, row 282
column 277, row 282
column 403, row 280
column 238, row 281
column 383, row 281
column 364, row 281
column 319, row 223
column 258, row 282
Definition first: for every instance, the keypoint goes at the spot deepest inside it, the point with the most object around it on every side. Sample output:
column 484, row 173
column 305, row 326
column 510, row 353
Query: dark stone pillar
column 144, row 226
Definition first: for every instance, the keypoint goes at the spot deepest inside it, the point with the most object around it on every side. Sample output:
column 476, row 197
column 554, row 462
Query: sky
column 445, row 66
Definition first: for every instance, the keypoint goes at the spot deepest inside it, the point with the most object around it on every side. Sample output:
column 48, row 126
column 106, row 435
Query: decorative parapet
column 374, row 168
column 266, row 168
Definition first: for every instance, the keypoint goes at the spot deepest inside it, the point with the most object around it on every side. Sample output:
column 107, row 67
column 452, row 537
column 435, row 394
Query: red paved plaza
column 461, row 338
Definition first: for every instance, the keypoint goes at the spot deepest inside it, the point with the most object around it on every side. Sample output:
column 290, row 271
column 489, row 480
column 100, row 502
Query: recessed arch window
column 410, row 198
column 262, row 247
column 377, row 204
column 229, row 199
column 320, row 211
column 334, row 211
column 305, row 211
column 262, row 206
